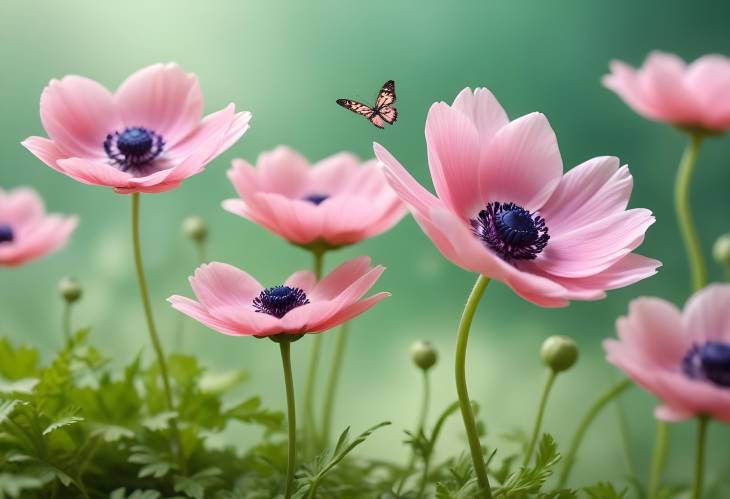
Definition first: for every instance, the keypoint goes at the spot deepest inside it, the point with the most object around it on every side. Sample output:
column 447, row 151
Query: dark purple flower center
column 6, row 234
column 511, row 231
column 710, row 362
column 279, row 300
column 316, row 198
column 134, row 147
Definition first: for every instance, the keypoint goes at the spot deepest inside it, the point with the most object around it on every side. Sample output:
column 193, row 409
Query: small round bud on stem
column 424, row 355
column 69, row 289
column 195, row 228
column 721, row 250
column 559, row 353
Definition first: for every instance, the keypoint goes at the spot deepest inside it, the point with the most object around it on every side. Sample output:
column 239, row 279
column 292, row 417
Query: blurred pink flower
column 681, row 357
column 26, row 232
column 505, row 210
column 232, row 302
column 339, row 201
column 667, row 89
column 147, row 137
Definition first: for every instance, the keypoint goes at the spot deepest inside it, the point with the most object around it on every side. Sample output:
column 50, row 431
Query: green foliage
column 77, row 428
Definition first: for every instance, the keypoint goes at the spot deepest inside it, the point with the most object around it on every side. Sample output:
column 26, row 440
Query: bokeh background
column 287, row 61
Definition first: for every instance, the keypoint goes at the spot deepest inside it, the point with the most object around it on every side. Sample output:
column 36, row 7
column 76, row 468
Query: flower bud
column 195, row 228
column 69, row 289
column 559, row 353
column 721, row 250
column 423, row 354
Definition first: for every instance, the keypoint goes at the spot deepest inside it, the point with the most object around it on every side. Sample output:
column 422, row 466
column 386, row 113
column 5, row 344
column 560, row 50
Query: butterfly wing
column 357, row 107
column 376, row 120
column 389, row 114
column 386, row 96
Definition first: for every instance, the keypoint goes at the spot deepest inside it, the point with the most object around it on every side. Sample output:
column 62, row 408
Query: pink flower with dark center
column 147, row 137
column 26, row 231
column 505, row 210
column 232, row 302
column 665, row 88
column 338, row 201
column 683, row 358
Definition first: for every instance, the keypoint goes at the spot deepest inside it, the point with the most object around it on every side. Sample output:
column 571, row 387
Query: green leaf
column 250, row 411
column 196, row 485
column 17, row 363
column 13, row 485
column 605, row 490
column 21, row 386
column 160, row 421
column 6, row 408
column 62, row 423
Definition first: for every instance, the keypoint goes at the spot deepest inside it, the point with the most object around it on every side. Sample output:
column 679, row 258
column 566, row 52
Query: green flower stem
column 585, row 423
column 421, row 428
column 201, row 252
column 151, row 324
column 284, row 346
column 467, row 412
column 623, row 426
column 684, row 215
column 310, row 429
column 658, row 458
column 425, row 401
column 67, row 320
column 549, row 382
column 700, row 461
column 332, row 381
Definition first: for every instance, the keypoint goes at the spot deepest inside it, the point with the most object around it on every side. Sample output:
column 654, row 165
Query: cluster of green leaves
column 77, row 428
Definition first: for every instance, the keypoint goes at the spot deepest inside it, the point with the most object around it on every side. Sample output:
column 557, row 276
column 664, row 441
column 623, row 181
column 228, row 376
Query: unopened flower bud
column 195, row 228
column 721, row 250
column 423, row 354
column 70, row 289
column 559, row 353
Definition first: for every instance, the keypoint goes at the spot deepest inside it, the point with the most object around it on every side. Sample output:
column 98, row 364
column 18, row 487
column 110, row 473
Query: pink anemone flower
column 505, row 210
column 337, row 202
column 665, row 88
column 232, row 302
column 683, row 358
column 26, row 231
column 147, row 137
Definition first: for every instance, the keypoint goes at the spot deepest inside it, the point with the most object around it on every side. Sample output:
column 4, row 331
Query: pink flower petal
column 283, row 171
column 590, row 249
column 708, row 78
column 624, row 81
column 162, row 98
column 591, row 191
column 21, row 208
column 45, row 150
column 652, row 331
column 482, row 109
column 661, row 79
column 521, row 164
column 339, row 173
column 196, row 311
column 304, row 280
column 672, row 415
column 221, row 285
column 78, row 113
column 348, row 313
column 707, row 314
column 45, row 237
column 96, row 172
column 337, row 281
column 453, row 158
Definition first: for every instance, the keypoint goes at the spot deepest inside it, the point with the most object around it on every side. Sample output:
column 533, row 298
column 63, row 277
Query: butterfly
column 383, row 111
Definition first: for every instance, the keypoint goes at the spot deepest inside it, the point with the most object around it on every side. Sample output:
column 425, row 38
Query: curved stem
column 540, row 413
column 67, row 320
column 425, row 402
column 684, row 215
column 332, row 382
column 310, row 429
column 467, row 414
column 700, row 460
column 593, row 411
column 284, row 346
column 151, row 323
column 201, row 252
column 658, row 458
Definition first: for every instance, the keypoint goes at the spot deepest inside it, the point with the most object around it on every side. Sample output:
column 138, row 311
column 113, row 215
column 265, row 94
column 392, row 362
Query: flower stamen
column 279, row 300
column 7, row 235
column 134, row 147
column 710, row 362
column 511, row 231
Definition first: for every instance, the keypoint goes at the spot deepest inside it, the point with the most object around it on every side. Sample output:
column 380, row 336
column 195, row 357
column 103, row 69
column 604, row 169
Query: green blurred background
column 287, row 62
